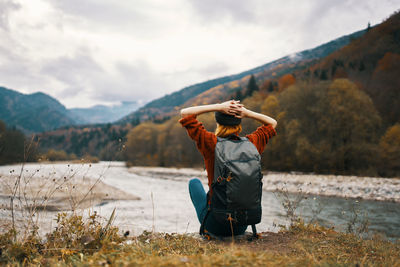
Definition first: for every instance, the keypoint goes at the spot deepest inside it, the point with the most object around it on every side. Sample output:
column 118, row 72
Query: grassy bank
column 86, row 242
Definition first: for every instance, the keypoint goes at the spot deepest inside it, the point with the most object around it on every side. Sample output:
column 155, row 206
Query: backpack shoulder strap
column 203, row 222
column 202, row 232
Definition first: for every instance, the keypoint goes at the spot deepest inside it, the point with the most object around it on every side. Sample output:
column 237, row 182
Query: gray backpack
column 237, row 185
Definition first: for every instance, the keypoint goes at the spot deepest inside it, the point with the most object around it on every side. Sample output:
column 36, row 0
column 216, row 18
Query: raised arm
column 256, row 116
column 231, row 107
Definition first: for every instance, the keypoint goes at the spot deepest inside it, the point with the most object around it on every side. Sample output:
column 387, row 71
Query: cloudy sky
column 87, row 52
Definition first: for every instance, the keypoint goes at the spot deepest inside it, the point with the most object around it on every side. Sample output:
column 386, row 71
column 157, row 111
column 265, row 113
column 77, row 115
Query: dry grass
column 78, row 242
column 31, row 193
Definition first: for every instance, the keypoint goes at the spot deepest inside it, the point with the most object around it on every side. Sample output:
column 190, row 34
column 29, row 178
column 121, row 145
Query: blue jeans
column 199, row 199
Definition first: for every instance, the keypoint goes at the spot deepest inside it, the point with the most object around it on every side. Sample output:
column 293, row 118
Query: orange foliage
column 245, row 79
column 388, row 62
column 285, row 81
column 340, row 73
column 390, row 151
column 233, row 84
column 266, row 85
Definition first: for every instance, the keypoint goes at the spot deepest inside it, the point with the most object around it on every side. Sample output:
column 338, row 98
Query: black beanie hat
column 227, row 120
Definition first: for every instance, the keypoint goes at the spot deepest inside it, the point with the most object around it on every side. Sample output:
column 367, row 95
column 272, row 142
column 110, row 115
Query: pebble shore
column 371, row 188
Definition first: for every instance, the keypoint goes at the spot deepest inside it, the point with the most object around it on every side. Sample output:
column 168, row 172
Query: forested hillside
column 36, row 112
column 337, row 115
column 373, row 63
column 160, row 109
column 105, row 141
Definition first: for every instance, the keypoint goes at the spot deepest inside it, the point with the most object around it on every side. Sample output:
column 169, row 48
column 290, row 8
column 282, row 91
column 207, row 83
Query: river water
column 165, row 205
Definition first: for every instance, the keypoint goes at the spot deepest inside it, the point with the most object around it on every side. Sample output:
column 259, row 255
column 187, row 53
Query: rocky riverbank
column 381, row 189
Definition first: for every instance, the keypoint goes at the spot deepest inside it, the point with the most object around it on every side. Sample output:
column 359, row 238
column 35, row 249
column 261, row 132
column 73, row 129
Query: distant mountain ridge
column 105, row 114
column 168, row 103
column 30, row 113
column 39, row 112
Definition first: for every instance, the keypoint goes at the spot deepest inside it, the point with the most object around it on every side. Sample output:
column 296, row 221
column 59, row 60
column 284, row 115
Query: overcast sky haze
column 88, row 52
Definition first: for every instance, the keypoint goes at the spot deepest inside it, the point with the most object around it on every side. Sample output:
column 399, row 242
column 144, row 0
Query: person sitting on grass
column 228, row 116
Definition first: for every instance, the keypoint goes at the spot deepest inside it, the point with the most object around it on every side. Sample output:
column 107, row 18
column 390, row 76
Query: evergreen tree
column 252, row 86
column 323, row 75
column 239, row 95
column 333, row 70
column 12, row 145
column 362, row 66
column 271, row 87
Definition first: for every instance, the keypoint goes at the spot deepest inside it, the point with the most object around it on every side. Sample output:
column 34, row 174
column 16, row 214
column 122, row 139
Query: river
column 165, row 204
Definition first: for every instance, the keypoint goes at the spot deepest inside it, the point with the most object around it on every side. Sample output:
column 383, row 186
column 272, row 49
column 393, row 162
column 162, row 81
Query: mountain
column 39, row 112
column 168, row 103
column 104, row 114
column 30, row 113
column 338, row 114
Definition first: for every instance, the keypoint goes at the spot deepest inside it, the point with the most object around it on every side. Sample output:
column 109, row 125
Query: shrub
column 56, row 155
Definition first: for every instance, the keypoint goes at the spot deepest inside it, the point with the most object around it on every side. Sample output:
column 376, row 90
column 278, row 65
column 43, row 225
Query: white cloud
column 102, row 51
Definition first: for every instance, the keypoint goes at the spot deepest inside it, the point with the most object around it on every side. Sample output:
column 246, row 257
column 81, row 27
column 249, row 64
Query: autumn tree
column 165, row 144
column 328, row 127
column 177, row 148
column 274, row 157
column 56, row 155
column 142, row 146
column 268, row 86
column 390, row 152
column 384, row 88
column 352, row 124
column 285, row 81
column 253, row 103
